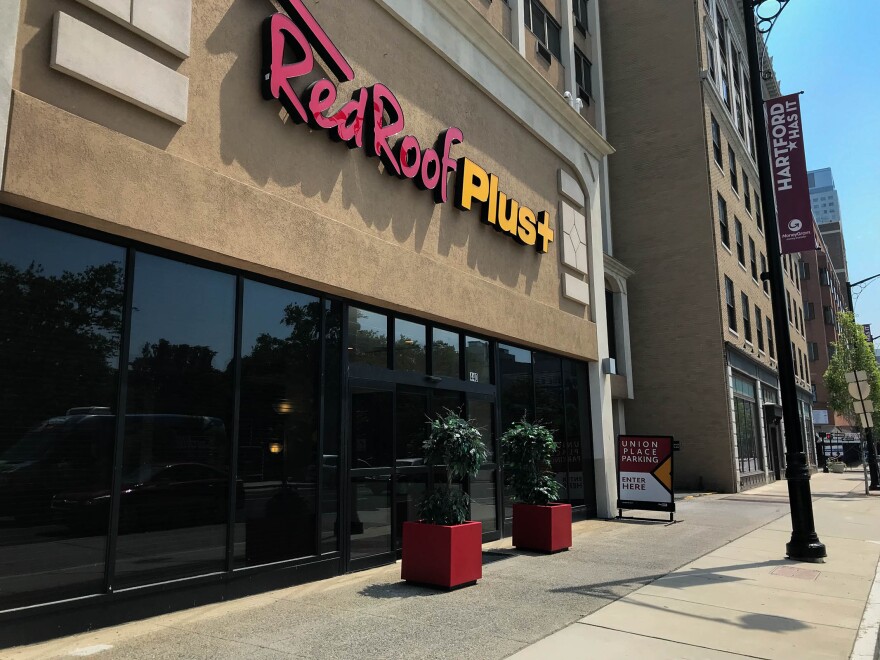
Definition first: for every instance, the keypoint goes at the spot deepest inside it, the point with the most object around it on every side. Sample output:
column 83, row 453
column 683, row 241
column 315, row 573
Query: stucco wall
column 237, row 185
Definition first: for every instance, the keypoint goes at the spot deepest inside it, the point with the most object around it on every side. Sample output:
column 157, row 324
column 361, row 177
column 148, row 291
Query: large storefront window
column 553, row 391
column 61, row 307
column 747, row 434
column 219, row 447
column 278, row 431
column 176, row 457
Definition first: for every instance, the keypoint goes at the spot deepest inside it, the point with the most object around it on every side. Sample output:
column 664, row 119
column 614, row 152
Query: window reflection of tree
column 367, row 345
column 286, row 369
column 60, row 342
column 280, row 397
column 409, row 354
column 445, row 359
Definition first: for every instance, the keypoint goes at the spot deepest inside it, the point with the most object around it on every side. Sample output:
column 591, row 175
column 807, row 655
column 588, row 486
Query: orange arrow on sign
column 664, row 473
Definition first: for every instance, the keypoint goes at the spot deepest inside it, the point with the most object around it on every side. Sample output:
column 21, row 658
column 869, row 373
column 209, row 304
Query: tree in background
column 852, row 352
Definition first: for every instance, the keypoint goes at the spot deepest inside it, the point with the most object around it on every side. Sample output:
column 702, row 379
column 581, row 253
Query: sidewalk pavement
column 611, row 596
column 745, row 600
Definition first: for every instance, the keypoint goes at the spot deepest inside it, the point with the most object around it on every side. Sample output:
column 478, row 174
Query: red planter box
column 442, row 555
column 546, row 528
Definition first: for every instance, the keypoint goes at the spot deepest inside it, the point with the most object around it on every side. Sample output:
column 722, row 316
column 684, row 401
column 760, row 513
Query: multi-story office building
column 823, row 297
column 826, row 211
column 687, row 218
column 224, row 332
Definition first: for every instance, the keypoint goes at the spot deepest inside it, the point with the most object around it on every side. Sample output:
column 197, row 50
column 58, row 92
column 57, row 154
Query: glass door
column 412, row 475
column 370, row 476
column 389, row 477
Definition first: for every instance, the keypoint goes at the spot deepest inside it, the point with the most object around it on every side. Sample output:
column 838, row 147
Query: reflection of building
column 687, row 218
column 207, row 255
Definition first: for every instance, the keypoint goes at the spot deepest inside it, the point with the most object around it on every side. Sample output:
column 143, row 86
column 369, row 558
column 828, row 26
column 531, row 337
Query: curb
column 866, row 644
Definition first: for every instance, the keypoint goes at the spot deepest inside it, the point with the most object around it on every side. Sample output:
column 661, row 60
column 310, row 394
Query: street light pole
column 804, row 544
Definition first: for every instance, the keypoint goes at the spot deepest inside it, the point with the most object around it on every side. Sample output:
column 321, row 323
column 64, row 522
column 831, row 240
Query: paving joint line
column 673, row 641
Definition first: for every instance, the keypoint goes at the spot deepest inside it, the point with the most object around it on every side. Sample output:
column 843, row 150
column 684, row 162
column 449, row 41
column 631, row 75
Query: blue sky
column 831, row 51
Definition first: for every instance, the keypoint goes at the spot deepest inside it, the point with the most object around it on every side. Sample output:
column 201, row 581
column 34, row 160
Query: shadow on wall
column 273, row 149
column 37, row 79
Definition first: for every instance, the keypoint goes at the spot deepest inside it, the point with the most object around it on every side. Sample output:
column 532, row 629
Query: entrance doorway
column 772, row 417
column 388, row 477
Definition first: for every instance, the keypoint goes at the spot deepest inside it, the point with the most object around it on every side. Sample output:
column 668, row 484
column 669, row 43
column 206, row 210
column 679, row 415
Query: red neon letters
column 371, row 119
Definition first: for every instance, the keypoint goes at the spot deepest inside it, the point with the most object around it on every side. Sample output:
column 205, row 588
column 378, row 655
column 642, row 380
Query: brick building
column 687, row 218
column 824, row 297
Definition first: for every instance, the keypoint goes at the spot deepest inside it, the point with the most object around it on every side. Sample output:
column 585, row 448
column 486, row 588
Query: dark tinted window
column 409, row 346
column 61, row 300
column 481, row 413
column 516, row 385
column 367, row 337
column 549, row 411
column 477, row 360
column 332, row 425
column 278, row 434
column 577, row 446
column 173, row 524
column 445, row 354
column 412, row 425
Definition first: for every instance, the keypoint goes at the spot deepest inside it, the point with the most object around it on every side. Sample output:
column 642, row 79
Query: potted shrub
column 444, row 548
column 539, row 522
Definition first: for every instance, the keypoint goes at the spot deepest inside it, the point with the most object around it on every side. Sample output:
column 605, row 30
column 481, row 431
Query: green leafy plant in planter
column 444, row 548
column 458, row 444
column 539, row 521
column 528, row 449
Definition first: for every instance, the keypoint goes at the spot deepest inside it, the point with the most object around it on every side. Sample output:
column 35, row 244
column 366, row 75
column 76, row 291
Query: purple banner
column 789, row 165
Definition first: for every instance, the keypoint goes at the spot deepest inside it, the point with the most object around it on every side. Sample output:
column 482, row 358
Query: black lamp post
column 869, row 439
column 804, row 544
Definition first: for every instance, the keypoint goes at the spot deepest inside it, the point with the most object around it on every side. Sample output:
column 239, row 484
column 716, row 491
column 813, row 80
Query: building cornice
column 616, row 268
column 492, row 44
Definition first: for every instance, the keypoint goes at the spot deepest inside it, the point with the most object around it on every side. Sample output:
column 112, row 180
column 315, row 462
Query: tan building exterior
column 687, row 218
column 167, row 179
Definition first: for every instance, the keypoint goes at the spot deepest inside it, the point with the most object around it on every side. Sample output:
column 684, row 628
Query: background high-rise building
column 826, row 211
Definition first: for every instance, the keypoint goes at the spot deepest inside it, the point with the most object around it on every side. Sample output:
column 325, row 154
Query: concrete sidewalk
column 745, row 599
column 713, row 584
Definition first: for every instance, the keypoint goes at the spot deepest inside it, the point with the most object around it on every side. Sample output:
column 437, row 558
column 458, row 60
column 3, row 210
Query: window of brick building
column 740, row 247
column 759, row 328
column 747, row 317
column 731, row 303
column 722, row 220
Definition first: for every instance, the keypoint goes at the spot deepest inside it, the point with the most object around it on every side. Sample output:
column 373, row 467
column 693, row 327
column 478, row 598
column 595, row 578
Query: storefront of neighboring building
column 225, row 332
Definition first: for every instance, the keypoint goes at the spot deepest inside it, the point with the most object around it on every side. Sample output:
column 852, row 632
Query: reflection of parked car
column 74, row 454
column 154, row 497
column 61, row 453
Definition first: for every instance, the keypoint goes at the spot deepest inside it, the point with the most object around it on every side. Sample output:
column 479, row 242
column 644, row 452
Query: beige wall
column 553, row 71
column 238, row 186
column 497, row 13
